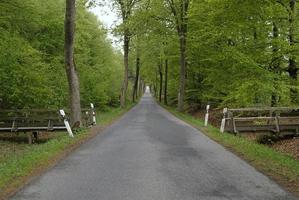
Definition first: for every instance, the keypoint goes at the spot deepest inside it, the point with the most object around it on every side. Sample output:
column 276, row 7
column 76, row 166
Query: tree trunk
column 292, row 68
column 135, row 89
column 161, row 82
column 126, row 70
column 275, row 65
column 73, row 81
column 166, row 82
column 156, row 85
column 181, row 95
column 140, row 87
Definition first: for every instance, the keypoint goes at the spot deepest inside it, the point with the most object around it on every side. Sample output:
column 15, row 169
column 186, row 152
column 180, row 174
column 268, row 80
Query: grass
column 279, row 166
column 20, row 161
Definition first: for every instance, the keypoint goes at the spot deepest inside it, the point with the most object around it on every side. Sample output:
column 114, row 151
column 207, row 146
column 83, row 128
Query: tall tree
column 126, row 9
column 137, row 77
column 179, row 10
column 292, row 68
column 73, row 80
column 165, row 81
column 160, row 69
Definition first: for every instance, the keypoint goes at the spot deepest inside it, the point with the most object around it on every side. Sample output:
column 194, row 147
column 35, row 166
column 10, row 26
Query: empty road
column 151, row 155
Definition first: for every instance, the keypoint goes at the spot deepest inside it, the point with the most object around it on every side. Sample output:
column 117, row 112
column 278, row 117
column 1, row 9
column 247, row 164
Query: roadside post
column 66, row 123
column 207, row 115
column 94, row 120
column 222, row 127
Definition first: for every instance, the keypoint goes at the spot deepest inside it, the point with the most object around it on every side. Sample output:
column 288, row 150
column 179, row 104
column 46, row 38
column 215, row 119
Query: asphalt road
column 151, row 155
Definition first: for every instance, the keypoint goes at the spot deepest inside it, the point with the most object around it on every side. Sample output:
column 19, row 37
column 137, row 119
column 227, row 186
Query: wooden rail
column 33, row 121
column 273, row 119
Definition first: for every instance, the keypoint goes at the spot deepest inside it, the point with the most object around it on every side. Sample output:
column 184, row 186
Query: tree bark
column 166, row 82
column 126, row 70
column 181, row 95
column 292, row 68
column 275, row 65
column 156, row 84
column 140, row 87
column 73, row 80
column 161, row 82
column 135, row 89
column 180, row 12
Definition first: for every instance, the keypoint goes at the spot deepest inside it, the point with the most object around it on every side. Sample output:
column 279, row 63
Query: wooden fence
column 273, row 119
column 33, row 121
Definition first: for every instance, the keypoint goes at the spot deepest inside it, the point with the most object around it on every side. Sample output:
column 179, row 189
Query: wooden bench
column 272, row 119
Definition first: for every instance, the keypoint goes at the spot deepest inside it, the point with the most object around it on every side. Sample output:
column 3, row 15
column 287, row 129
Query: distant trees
column 230, row 53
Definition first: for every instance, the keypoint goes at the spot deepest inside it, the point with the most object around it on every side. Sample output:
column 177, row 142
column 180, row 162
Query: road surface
column 151, row 155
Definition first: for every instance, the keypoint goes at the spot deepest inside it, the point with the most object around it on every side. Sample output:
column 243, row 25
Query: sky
column 109, row 19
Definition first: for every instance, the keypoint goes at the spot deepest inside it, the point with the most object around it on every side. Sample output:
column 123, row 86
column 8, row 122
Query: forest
column 224, row 53
column 227, row 53
column 32, row 73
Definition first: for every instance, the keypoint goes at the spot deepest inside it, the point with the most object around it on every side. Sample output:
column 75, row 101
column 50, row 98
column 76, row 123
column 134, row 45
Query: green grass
column 19, row 160
column 281, row 167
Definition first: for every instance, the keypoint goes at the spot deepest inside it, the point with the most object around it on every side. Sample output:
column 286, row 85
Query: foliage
column 32, row 56
column 238, row 53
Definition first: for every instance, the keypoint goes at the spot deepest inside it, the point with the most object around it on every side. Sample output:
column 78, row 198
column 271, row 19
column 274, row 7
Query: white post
column 207, row 115
column 66, row 123
column 222, row 127
column 94, row 120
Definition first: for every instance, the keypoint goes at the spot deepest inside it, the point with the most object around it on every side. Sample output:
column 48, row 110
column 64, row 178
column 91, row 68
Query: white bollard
column 94, row 120
column 207, row 115
column 222, row 127
column 66, row 123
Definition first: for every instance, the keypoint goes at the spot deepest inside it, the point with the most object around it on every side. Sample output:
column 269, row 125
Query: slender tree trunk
column 161, row 82
column 139, row 87
column 181, row 95
column 73, row 80
column 292, row 68
column 135, row 89
column 126, row 70
column 156, row 84
column 180, row 14
column 275, row 65
column 166, row 82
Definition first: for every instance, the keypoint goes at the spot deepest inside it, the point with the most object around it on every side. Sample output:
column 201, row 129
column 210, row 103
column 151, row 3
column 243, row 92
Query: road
column 151, row 155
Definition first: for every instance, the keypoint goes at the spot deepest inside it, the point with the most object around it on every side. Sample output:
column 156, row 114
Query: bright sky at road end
column 109, row 19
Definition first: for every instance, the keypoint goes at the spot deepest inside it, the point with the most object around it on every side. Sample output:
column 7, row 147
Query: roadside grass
column 279, row 166
column 20, row 161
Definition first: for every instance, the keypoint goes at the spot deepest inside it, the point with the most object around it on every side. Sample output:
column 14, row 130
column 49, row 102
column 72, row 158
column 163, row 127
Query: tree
column 73, row 80
column 292, row 68
column 166, row 81
column 125, row 9
column 137, row 75
column 179, row 10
